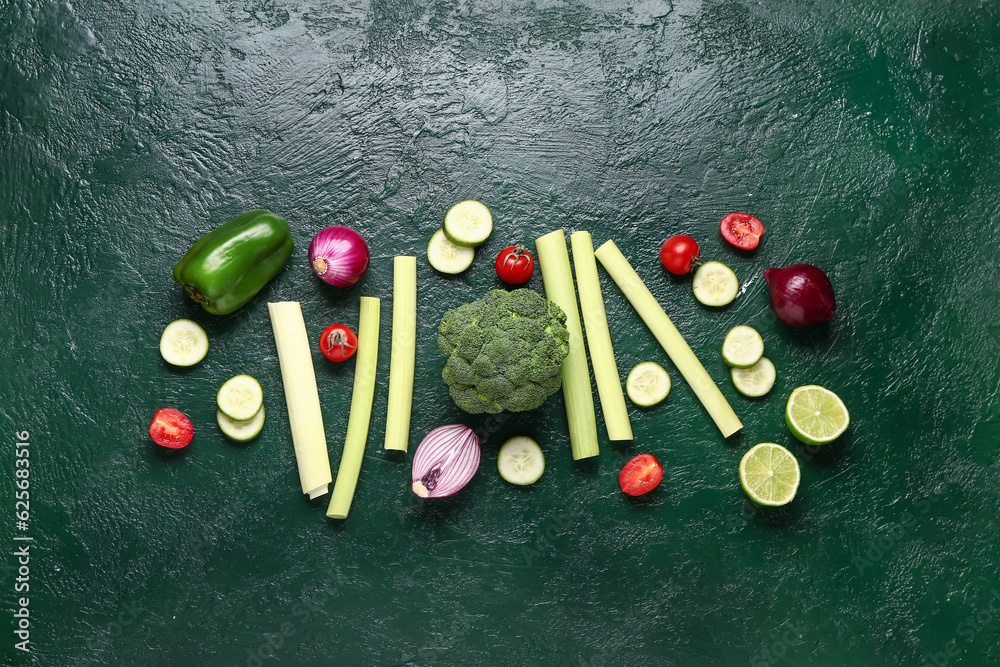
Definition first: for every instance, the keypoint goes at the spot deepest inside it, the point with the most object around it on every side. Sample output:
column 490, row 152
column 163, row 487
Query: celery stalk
column 402, row 361
column 669, row 338
column 595, row 323
column 361, row 410
column 301, row 397
column 553, row 258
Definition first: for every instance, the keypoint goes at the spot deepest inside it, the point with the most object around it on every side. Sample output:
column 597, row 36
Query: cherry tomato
column 679, row 253
column 640, row 475
column 742, row 230
column 338, row 342
column 515, row 265
column 171, row 428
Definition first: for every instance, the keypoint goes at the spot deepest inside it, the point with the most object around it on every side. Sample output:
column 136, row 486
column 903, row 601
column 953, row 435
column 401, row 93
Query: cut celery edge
column 361, row 410
column 301, row 397
column 595, row 323
column 669, row 338
column 553, row 258
column 403, row 359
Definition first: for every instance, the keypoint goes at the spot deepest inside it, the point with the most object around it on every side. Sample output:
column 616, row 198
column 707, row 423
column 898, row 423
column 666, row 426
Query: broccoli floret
column 505, row 351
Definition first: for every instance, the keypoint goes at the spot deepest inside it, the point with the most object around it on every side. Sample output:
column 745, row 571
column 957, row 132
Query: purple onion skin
column 339, row 256
column 445, row 460
column 801, row 294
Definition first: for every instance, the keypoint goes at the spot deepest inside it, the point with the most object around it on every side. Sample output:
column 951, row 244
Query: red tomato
column 171, row 428
column 640, row 475
column 515, row 265
column 678, row 253
column 742, row 230
column 338, row 342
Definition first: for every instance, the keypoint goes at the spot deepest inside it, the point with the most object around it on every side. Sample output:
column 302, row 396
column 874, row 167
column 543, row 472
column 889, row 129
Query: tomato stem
column 336, row 338
column 515, row 254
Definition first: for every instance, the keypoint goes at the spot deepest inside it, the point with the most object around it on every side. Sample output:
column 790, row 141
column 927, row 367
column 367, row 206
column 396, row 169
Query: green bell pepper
column 228, row 266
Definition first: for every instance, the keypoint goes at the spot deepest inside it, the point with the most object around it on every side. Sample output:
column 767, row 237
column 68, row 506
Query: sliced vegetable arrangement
column 509, row 350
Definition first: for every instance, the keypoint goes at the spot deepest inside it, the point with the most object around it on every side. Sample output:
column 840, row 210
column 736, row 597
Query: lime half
column 769, row 474
column 240, row 398
column 743, row 347
column 815, row 415
column 647, row 384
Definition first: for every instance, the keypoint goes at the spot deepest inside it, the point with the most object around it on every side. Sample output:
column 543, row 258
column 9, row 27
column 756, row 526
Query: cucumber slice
column 756, row 380
column 715, row 284
column 240, row 431
column 647, row 384
column 468, row 223
column 447, row 257
column 240, row 398
column 743, row 347
column 521, row 461
column 183, row 343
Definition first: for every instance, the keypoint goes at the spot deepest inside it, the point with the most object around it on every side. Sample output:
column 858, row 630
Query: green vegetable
column 447, row 257
column 359, row 420
column 183, row 343
column 505, row 351
column 228, row 266
column 240, row 431
column 647, row 384
column 520, row 461
column 240, row 397
column 553, row 258
column 756, row 380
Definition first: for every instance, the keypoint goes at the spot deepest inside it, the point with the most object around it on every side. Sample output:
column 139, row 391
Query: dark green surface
column 865, row 138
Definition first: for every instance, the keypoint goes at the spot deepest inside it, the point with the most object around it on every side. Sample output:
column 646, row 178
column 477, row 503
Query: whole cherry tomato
column 640, row 475
column 515, row 265
column 742, row 230
column 338, row 342
column 679, row 253
column 171, row 428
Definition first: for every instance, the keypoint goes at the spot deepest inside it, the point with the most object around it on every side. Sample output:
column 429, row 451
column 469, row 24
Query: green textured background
column 866, row 139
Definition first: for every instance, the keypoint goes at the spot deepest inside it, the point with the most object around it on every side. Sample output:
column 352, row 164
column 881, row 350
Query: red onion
column 445, row 460
column 801, row 294
column 339, row 256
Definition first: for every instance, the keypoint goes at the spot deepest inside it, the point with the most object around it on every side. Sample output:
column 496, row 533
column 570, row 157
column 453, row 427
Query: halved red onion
column 445, row 460
column 339, row 256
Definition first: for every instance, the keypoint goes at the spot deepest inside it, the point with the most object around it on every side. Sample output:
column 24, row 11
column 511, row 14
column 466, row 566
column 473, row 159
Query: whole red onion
column 801, row 294
column 339, row 256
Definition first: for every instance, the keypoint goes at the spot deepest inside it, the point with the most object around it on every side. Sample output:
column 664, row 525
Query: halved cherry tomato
column 338, row 342
column 679, row 253
column 515, row 265
column 640, row 475
column 742, row 230
column 171, row 428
